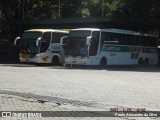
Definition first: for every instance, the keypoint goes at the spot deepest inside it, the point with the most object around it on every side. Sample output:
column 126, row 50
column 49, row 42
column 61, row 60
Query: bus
column 41, row 46
column 92, row 46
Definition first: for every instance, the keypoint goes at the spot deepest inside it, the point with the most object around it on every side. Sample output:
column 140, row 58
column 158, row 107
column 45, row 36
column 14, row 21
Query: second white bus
column 90, row 46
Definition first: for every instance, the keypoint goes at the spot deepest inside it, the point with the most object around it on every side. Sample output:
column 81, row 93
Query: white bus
column 89, row 46
column 41, row 46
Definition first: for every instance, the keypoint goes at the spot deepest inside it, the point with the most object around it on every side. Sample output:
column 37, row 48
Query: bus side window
column 125, row 40
column 145, row 41
column 65, row 44
column 131, row 40
column 108, row 38
column 94, row 43
column 134, row 41
column 45, row 42
column 56, row 37
column 138, row 41
column 152, row 42
column 115, row 39
column 120, row 39
column 128, row 39
column 103, row 37
column 141, row 40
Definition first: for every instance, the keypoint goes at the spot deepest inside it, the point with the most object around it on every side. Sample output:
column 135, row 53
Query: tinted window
column 110, row 38
column 80, row 33
column 124, row 39
column 45, row 42
column 57, row 36
column 94, row 43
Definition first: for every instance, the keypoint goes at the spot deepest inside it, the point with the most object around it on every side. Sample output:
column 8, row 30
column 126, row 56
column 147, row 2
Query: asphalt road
column 113, row 87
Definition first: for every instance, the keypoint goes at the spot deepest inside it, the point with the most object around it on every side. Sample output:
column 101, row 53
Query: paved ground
column 45, row 88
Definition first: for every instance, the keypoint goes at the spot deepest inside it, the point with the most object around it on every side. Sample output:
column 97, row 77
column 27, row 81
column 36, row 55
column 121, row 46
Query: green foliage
column 49, row 9
column 42, row 9
column 140, row 9
column 29, row 9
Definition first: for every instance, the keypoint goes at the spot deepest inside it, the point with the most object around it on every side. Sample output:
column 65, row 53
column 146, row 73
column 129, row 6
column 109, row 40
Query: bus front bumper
column 31, row 60
column 39, row 58
column 76, row 60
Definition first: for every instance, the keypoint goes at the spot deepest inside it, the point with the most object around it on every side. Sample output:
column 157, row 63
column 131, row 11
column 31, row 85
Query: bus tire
column 38, row 64
column 55, row 60
column 140, row 62
column 146, row 62
column 103, row 62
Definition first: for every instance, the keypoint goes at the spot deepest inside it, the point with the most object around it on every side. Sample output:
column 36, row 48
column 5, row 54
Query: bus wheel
column 55, row 60
column 38, row 64
column 140, row 62
column 146, row 62
column 103, row 62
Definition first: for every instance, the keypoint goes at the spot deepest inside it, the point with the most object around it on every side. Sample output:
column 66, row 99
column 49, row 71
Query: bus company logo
column 135, row 51
column 110, row 48
column 45, row 58
column 6, row 114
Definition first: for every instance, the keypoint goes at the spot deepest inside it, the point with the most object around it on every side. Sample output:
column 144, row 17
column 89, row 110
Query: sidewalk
column 14, row 103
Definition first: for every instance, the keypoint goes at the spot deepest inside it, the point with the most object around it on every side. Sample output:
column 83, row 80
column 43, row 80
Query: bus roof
column 86, row 29
column 119, row 31
column 113, row 30
column 108, row 30
column 46, row 30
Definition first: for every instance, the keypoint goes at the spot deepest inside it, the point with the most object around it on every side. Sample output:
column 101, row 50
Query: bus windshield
column 77, row 43
column 28, row 43
column 80, row 33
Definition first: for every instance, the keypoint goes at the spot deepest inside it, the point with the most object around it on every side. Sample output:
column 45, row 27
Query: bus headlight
column 37, row 56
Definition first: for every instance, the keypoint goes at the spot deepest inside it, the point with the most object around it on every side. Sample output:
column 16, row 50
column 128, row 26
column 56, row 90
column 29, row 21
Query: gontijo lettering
column 110, row 48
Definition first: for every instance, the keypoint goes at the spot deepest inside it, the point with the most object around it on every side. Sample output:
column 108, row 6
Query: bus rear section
column 110, row 47
column 42, row 46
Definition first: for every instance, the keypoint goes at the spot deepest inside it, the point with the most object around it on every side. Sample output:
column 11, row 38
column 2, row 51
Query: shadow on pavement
column 135, row 68
column 18, row 64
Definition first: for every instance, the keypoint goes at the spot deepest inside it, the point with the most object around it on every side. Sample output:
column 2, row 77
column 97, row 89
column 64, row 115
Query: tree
column 41, row 9
column 146, row 11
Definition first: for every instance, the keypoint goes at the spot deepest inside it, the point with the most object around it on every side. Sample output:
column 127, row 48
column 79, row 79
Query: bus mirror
column 62, row 39
column 15, row 41
column 88, row 40
column 37, row 42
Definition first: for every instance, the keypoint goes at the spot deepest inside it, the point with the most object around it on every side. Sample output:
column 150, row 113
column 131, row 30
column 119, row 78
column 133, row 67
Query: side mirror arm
column 15, row 41
column 37, row 42
column 88, row 40
column 61, row 40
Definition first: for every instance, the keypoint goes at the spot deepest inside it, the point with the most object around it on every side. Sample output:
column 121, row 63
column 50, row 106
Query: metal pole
column 59, row 8
column 103, row 8
column 23, row 9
